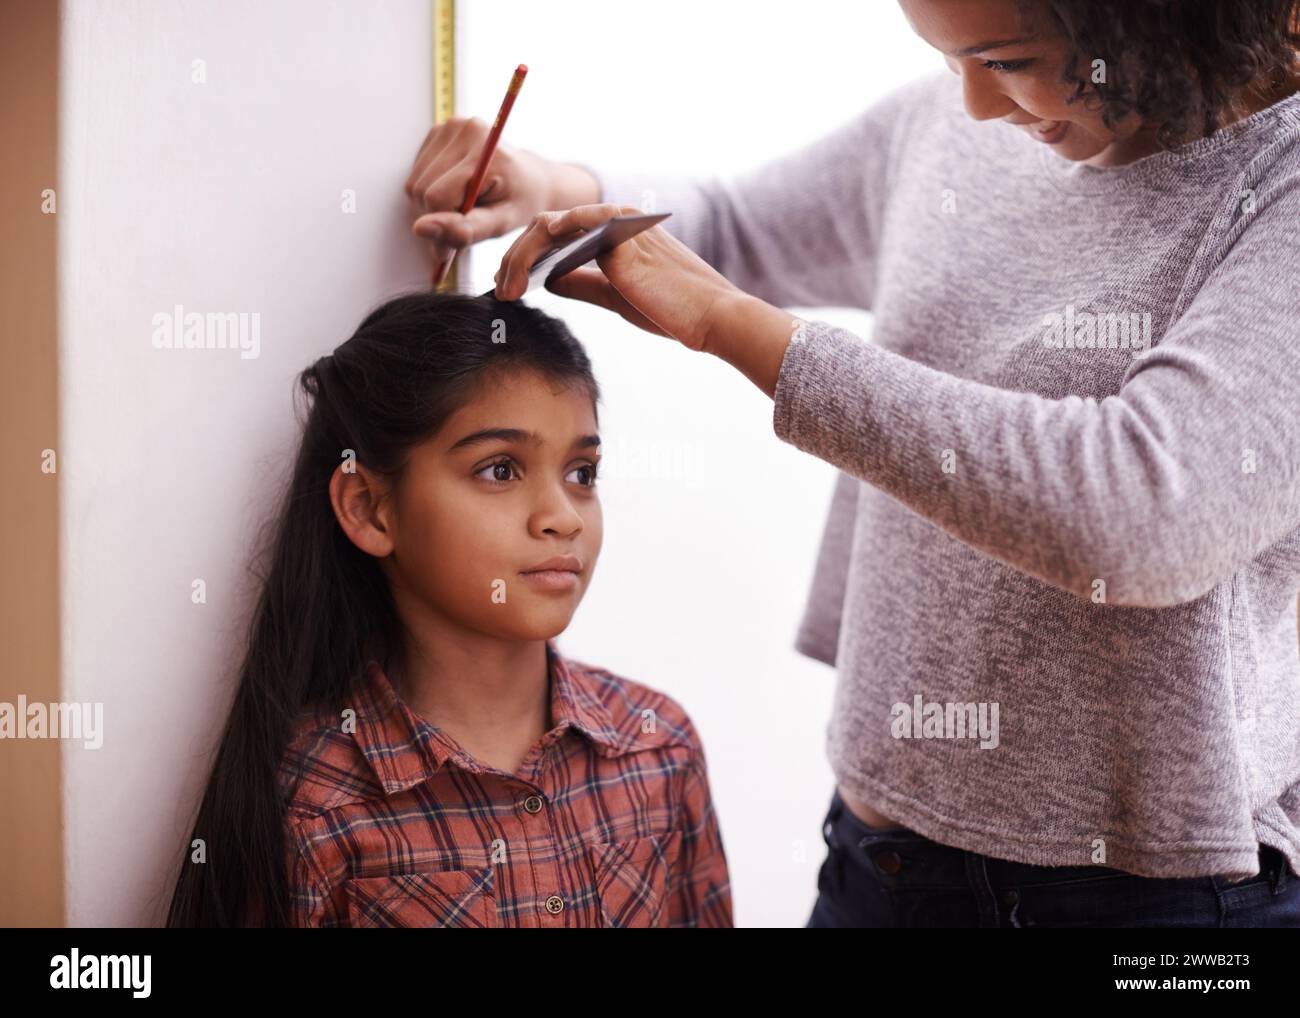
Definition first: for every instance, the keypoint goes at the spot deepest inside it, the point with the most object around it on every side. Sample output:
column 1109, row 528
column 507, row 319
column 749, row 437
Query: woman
column 1059, row 574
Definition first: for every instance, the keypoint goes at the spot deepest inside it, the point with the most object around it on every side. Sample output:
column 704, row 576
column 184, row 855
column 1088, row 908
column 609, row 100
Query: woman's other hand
column 517, row 186
column 653, row 280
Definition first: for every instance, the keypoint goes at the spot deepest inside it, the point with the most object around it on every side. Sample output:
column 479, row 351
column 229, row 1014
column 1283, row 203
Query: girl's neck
column 473, row 685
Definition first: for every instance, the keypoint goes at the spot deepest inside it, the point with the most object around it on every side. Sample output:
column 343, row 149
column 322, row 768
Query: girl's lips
column 552, row 579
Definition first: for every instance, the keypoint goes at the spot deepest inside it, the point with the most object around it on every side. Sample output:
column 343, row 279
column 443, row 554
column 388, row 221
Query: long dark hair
column 325, row 608
column 1179, row 64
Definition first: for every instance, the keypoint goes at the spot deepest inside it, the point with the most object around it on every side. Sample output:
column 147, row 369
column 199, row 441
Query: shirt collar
column 404, row 749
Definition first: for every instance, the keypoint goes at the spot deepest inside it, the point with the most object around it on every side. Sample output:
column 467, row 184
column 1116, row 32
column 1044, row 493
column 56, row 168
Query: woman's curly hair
column 1181, row 65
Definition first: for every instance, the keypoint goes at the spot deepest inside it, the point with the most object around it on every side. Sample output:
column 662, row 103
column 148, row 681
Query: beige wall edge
column 31, row 839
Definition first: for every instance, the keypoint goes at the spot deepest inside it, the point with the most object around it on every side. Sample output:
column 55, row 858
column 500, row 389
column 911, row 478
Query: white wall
column 224, row 196
column 704, row 572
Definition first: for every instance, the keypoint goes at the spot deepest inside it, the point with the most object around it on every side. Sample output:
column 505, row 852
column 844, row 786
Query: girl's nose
column 557, row 517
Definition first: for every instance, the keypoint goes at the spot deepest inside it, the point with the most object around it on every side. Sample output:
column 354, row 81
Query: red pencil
column 480, row 171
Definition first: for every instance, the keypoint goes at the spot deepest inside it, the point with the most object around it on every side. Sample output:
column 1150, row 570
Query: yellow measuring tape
column 444, row 93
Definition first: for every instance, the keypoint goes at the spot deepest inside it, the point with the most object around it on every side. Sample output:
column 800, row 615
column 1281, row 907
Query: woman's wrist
column 752, row 336
column 572, row 185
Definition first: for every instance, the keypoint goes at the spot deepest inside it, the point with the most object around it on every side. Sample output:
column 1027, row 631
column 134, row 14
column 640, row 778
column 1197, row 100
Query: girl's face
column 1014, row 74
column 506, row 486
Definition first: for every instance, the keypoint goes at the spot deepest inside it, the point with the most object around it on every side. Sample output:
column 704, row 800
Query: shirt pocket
column 631, row 880
column 446, row 898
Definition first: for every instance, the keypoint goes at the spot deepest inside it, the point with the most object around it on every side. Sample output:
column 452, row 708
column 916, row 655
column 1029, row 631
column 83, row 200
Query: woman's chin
column 1081, row 146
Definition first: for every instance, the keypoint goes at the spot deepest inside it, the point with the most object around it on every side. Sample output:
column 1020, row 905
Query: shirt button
column 554, row 904
column 533, row 804
column 889, row 862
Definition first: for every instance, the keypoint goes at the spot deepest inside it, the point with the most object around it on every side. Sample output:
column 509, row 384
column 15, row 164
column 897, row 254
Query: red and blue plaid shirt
column 607, row 822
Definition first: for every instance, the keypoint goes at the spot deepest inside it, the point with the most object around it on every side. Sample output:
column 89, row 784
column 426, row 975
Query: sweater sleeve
column 801, row 229
column 1151, row 496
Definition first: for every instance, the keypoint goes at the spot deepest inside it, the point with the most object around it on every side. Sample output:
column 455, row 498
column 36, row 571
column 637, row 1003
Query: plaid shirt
column 607, row 822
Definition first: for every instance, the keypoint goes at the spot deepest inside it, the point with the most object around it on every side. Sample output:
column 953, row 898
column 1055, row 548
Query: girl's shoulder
column 338, row 756
column 639, row 716
column 321, row 766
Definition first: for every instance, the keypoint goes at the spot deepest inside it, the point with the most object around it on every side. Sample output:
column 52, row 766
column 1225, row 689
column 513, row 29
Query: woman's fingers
column 592, row 285
column 512, row 274
column 587, row 217
column 445, row 189
column 447, row 156
column 585, row 284
column 453, row 230
column 546, row 231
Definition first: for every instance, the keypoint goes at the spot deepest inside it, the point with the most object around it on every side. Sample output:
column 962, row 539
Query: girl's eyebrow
column 517, row 435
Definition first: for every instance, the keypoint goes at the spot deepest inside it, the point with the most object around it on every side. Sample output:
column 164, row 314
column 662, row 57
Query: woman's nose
column 983, row 99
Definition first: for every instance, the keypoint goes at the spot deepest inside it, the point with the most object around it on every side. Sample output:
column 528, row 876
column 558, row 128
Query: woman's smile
column 1050, row 132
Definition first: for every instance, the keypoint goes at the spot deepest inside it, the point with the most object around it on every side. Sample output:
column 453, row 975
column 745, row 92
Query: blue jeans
column 894, row 877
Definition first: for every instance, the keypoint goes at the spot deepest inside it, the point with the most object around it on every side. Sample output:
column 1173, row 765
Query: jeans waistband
column 904, row 857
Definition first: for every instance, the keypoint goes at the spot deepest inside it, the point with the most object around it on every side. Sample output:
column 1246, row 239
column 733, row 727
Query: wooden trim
column 31, row 795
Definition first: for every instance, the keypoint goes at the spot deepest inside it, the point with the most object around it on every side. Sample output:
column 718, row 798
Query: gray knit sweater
column 1068, row 507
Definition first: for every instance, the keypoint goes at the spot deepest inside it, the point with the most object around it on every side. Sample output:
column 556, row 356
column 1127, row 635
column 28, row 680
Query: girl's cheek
column 595, row 530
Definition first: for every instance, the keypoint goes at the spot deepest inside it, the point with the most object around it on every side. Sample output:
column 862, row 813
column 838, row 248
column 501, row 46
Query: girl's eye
column 1007, row 66
column 502, row 470
column 590, row 468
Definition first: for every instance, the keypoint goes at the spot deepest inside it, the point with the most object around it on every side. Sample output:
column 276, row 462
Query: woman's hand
column 653, row 280
column 517, row 186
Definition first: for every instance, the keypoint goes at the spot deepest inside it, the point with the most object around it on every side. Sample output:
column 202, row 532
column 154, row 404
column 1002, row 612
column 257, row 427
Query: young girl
column 407, row 746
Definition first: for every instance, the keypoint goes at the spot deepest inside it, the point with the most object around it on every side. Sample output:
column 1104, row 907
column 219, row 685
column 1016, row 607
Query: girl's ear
column 361, row 505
